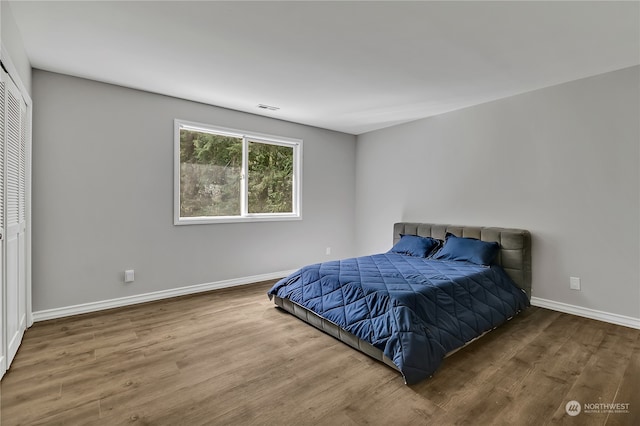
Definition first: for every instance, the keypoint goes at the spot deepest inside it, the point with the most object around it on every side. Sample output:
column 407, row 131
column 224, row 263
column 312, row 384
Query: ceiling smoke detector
column 268, row 107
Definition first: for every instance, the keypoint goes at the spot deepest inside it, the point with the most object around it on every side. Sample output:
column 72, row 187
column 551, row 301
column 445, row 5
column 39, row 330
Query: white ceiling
column 347, row 66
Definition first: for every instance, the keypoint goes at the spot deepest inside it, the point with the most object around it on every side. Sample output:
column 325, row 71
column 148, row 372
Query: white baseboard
column 84, row 308
column 587, row 313
column 199, row 288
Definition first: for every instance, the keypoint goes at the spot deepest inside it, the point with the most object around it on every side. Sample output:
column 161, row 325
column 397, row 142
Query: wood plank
column 231, row 357
column 629, row 392
column 599, row 378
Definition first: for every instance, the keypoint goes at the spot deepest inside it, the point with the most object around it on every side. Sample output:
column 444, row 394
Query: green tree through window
column 270, row 178
column 212, row 169
column 210, row 173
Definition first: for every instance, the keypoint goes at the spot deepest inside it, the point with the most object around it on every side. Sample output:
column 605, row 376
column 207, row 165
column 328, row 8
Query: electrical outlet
column 327, row 251
column 574, row 283
column 129, row 275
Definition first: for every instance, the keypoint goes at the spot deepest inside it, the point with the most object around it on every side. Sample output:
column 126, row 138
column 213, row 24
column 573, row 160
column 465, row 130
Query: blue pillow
column 468, row 250
column 414, row 245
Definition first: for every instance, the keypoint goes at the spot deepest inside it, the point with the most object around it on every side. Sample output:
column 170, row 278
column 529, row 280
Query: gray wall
column 562, row 162
column 12, row 40
column 103, row 197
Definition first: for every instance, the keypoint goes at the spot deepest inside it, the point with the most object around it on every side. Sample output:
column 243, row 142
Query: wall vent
column 268, row 107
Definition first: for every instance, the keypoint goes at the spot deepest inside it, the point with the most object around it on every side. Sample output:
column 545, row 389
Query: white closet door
column 3, row 334
column 22, row 223
column 15, row 138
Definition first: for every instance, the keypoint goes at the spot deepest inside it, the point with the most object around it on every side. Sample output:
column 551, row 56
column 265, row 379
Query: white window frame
column 247, row 137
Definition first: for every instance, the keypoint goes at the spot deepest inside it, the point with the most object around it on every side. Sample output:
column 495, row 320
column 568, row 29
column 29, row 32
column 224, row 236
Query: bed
column 411, row 309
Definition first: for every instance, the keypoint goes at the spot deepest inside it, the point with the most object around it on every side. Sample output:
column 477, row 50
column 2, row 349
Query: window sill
column 236, row 219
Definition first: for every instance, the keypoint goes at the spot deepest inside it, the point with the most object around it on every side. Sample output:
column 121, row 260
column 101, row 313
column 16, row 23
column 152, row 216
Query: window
column 227, row 175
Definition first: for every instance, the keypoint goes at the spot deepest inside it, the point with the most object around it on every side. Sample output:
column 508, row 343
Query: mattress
column 413, row 310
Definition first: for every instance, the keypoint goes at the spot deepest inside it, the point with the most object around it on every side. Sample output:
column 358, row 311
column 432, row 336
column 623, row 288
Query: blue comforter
column 415, row 310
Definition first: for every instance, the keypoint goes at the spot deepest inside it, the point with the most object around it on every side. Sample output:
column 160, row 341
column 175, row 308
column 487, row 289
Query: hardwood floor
column 230, row 357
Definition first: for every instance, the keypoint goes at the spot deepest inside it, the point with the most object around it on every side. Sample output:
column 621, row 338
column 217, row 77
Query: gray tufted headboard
column 515, row 245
